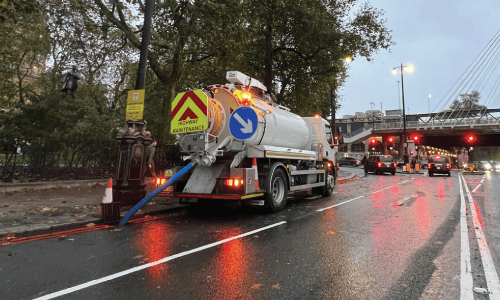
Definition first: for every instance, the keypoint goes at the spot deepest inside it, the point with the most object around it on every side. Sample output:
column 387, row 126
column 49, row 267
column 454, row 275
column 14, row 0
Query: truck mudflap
column 212, row 196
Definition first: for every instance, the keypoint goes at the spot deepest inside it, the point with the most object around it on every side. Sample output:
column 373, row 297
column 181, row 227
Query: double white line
column 490, row 273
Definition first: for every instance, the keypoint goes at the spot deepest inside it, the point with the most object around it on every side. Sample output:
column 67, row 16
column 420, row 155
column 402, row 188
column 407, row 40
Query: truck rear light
column 160, row 181
column 236, row 182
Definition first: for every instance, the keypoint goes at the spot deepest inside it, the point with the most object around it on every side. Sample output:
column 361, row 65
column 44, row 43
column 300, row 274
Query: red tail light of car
column 429, row 166
column 448, row 166
column 395, row 165
column 379, row 164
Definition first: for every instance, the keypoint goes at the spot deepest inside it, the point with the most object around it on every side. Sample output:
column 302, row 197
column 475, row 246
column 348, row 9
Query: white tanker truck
column 248, row 148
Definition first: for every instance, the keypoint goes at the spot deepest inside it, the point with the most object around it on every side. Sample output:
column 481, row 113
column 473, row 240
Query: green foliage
column 23, row 47
column 295, row 47
column 54, row 116
column 467, row 105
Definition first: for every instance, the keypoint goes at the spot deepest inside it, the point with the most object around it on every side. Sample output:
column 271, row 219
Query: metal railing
column 439, row 123
column 39, row 159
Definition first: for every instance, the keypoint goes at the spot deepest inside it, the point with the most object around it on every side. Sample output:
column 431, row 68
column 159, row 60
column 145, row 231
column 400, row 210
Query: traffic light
column 390, row 142
column 471, row 138
column 416, row 139
column 373, row 141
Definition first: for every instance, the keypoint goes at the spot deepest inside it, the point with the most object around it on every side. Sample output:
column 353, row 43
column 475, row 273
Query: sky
column 441, row 38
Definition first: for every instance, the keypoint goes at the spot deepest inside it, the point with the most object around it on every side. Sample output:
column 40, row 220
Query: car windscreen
column 386, row 159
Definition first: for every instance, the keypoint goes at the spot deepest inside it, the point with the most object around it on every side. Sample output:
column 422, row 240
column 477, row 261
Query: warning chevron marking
column 189, row 112
column 188, row 95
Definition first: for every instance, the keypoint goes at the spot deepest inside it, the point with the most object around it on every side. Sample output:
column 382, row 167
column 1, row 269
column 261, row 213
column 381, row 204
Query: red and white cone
column 254, row 166
column 108, row 194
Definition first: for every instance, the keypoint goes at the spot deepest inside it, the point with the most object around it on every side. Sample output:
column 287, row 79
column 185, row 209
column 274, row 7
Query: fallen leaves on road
column 331, row 232
column 276, row 287
column 256, row 286
column 90, row 225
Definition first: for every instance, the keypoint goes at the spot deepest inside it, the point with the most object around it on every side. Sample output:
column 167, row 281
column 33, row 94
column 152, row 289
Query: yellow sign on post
column 189, row 112
column 135, row 105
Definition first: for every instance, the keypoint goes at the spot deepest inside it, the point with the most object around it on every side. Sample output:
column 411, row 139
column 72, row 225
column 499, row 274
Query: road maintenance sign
column 135, row 105
column 189, row 112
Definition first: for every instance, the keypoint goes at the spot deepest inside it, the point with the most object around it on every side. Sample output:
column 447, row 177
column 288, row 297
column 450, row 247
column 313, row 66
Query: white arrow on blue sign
column 243, row 123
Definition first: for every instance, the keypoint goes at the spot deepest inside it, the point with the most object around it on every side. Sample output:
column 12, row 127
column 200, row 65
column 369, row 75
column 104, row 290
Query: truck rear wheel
column 276, row 189
column 327, row 190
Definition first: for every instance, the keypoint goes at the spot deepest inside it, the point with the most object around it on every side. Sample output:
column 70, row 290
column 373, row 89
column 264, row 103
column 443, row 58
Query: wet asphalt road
column 379, row 237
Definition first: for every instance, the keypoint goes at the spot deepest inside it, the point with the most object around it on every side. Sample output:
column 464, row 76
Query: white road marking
column 378, row 191
column 465, row 265
column 475, row 189
column 490, row 272
column 482, row 180
column 152, row 264
column 403, row 181
column 322, row 209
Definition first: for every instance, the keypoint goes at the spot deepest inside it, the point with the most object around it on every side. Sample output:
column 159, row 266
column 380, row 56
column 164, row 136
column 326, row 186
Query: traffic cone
column 108, row 194
column 254, row 166
column 110, row 211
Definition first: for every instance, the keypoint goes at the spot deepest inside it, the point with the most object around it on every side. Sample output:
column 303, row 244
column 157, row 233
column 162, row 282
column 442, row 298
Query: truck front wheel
column 276, row 190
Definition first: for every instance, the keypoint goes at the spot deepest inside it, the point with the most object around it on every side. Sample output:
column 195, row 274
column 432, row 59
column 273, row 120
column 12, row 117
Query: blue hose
column 155, row 192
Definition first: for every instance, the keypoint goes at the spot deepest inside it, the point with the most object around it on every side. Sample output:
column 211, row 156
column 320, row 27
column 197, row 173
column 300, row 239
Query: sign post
column 135, row 105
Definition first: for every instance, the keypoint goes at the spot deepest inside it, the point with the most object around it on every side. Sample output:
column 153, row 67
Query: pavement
column 28, row 209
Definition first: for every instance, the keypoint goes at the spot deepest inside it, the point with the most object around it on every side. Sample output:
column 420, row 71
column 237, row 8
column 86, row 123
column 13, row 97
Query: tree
column 466, row 106
column 23, row 47
column 298, row 47
column 294, row 47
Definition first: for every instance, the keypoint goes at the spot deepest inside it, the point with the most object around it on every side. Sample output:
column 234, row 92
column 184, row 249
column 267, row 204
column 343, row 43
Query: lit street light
column 409, row 68
column 429, row 101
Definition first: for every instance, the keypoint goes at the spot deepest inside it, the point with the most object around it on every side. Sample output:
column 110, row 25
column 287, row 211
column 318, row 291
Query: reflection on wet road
column 378, row 237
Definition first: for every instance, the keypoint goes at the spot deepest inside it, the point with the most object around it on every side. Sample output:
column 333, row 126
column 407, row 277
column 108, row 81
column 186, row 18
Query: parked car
column 380, row 164
column 349, row 161
column 439, row 164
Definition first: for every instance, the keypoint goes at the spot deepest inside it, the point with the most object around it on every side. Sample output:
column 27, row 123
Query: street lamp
column 429, row 101
column 408, row 68
column 371, row 113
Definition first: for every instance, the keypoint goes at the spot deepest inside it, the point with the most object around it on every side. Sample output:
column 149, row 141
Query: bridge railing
column 437, row 123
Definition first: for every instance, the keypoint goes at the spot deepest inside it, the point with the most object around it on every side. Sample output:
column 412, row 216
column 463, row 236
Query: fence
column 36, row 159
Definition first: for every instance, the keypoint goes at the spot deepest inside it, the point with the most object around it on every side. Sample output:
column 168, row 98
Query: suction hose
column 158, row 190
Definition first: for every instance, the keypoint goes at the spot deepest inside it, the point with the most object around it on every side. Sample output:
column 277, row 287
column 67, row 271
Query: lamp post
column 429, row 102
column 409, row 68
column 371, row 112
column 399, row 97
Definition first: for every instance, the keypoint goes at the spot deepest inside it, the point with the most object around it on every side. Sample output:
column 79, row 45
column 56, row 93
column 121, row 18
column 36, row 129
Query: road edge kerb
column 43, row 185
column 347, row 179
column 39, row 229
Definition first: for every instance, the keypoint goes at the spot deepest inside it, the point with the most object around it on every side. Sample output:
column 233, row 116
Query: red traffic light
column 390, row 139
column 373, row 141
column 471, row 138
column 416, row 138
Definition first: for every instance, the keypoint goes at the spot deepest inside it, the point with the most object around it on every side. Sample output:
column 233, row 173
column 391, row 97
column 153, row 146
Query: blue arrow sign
column 243, row 123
